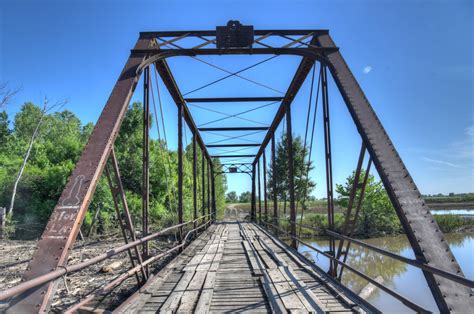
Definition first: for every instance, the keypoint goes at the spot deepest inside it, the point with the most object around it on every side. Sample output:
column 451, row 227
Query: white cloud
column 469, row 131
column 441, row 162
column 367, row 69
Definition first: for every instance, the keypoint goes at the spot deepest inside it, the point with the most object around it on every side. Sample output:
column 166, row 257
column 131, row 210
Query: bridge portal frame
column 426, row 239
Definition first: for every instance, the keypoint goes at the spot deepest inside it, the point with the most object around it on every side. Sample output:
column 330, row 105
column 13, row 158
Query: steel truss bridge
column 238, row 265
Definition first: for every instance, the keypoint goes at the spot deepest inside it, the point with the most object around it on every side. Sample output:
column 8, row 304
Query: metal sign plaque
column 234, row 35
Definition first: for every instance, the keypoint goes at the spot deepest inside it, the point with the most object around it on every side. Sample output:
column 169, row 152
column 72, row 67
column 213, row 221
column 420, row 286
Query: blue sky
column 413, row 60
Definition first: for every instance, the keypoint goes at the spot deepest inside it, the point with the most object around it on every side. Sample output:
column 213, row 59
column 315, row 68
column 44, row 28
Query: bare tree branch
column 7, row 94
column 46, row 108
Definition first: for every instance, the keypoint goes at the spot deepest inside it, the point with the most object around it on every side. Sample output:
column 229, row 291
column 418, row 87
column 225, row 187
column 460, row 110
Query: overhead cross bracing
column 318, row 60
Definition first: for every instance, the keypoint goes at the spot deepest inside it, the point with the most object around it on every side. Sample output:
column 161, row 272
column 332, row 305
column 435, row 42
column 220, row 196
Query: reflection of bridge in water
column 225, row 259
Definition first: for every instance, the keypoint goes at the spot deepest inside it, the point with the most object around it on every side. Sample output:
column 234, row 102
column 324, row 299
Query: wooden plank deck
column 239, row 267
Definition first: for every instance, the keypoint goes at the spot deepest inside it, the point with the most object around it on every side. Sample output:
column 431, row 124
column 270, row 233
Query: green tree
column 245, row 197
column 59, row 145
column 377, row 216
column 303, row 185
column 231, row 197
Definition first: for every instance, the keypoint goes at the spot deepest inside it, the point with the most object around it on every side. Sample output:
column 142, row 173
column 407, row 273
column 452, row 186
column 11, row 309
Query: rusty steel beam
column 120, row 200
column 265, row 205
column 291, row 175
column 146, row 160
column 252, row 128
column 232, row 156
column 328, row 160
column 274, row 184
column 424, row 235
column 232, row 99
column 63, row 226
column 287, row 32
column 209, row 188
column 180, row 169
column 253, row 207
column 203, row 190
column 259, row 193
column 195, row 211
column 233, row 145
column 213, row 194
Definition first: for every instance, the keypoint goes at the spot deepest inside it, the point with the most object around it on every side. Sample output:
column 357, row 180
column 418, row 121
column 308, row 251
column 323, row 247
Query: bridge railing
column 409, row 303
column 64, row 270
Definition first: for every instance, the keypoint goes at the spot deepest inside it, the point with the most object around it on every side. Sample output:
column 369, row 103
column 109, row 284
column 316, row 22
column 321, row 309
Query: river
column 407, row 280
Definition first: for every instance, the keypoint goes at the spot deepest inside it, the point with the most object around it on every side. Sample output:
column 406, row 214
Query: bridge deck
column 238, row 267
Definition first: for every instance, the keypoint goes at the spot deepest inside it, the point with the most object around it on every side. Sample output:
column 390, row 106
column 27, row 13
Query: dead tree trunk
column 25, row 160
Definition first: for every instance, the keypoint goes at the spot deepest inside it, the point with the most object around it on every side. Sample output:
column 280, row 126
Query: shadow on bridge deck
column 239, row 267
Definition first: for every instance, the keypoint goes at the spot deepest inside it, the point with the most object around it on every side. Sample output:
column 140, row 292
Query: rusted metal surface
column 195, row 178
column 203, row 185
column 232, row 99
column 208, row 186
column 265, row 203
column 116, row 197
column 424, row 235
column 253, row 207
column 63, row 226
column 291, row 176
column 328, row 160
column 180, row 168
column 227, row 129
column 213, row 193
column 123, row 199
column 233, row 145
column 274, row 183
column 259, row 192
column 146, row 159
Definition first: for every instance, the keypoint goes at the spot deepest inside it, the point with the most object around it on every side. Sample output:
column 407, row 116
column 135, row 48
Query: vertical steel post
column 328, row 157
column 259, row 193
column 180, row 170
column 213, row 194
column 195, row 181
column 265, row 205
column 203, row 190
column 291, row 178
column 209, row 190
column 253, row 207
column 146, row 159
column 274, row 183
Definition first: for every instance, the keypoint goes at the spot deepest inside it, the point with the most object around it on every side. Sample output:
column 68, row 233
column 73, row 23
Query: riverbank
column 314, row 223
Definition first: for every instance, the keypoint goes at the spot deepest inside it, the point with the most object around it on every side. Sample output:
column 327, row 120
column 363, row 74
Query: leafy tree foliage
column 303, row 185
column 59, row 144
column 245, row 197
column 232, row 197
column 377, row 214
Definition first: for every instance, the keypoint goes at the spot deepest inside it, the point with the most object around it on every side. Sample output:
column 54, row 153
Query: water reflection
column 405, row 279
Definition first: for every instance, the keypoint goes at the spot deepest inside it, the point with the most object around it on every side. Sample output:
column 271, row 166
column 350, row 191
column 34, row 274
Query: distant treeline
column 450, row 198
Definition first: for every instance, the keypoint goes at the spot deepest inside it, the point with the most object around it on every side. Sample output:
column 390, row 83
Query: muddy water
column 407, row 280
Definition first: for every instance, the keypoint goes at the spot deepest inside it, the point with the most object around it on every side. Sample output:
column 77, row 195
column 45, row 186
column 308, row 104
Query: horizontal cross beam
column 233, row 145
column 257, row 128
column 232, row 156
column 233, row 99
column 288, row 32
